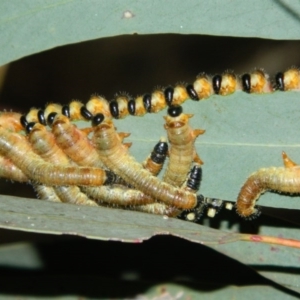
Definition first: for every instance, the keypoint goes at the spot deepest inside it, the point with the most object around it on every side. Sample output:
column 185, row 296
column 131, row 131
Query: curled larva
column 279, row 179
column 182, row 150
column 116, row 158
column 123, row 105
column 16, row 148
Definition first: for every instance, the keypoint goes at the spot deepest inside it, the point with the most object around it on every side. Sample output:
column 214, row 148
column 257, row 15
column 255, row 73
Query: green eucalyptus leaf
column 32, row 26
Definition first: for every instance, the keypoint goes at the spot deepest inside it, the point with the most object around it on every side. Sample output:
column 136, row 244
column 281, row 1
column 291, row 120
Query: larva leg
column 16, row 148
column 182, row 151
column 282, row 179
column 114, row 155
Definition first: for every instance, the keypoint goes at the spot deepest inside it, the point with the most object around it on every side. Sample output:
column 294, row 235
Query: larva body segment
column 16, row 148
column 9, row 170
column 43, row 143
column 289, row 80
column 11, row 121
column 74, row 142
column 46, row 193
column 279, row 179
column 118, row 195
column 158, row 209
column 182, row 151
column 116, row 158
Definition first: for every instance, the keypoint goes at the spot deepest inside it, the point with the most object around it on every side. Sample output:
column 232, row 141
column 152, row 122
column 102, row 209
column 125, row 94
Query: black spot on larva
column 23, row 121
column 29, row 127
column 114, row 109
column 85, row 113
column 216, row 81
column 131, row 107
column 246, row 83
column 41, row 117
column 169, row 92
column 191, row 91
column 50, row 118
column 97, row 119
column 65, row 110
column 174, row 111
column 279, row 81
column 147, row 102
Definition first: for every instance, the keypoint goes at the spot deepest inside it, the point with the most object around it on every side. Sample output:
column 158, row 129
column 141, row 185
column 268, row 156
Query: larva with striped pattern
column 123, row 104
column 279, row 179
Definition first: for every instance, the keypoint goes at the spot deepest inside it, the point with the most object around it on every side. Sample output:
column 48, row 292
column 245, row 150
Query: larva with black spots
column 182, row 150
column 279, row 179
column 123, row 104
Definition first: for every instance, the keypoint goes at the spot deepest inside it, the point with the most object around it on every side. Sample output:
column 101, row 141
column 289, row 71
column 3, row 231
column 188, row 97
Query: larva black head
column 194, row 178
column 131, row 107
column 41, row 117
column 159, row 153
column 246, row 83
column 216, row 81
column 175, row 111
column 85, row 113
column 65, row 110
column 192, row 93
column 169, row 92
column 279, row 82
column 23, row 121
column 111, row 178
column 114, row 109
column 147, row 102
column 97, row 119
column 50, row 118
column 29, row 127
